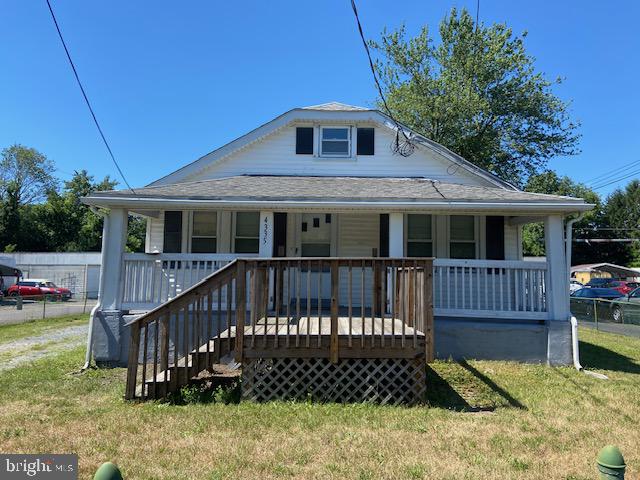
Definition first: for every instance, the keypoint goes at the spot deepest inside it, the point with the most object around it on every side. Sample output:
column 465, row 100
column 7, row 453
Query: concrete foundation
column 455, row 338
column 509, row 339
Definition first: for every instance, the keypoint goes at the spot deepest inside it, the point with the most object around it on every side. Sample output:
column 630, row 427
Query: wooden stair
column 187, row 369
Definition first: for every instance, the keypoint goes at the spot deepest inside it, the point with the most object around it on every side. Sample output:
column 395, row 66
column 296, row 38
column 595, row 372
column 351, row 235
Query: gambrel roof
column 332, row 112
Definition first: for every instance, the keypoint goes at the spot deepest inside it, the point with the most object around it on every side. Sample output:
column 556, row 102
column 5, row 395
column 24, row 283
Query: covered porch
column 321, row 254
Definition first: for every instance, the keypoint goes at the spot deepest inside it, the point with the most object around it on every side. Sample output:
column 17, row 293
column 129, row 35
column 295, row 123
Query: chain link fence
column 21, row 308
column 616, row 316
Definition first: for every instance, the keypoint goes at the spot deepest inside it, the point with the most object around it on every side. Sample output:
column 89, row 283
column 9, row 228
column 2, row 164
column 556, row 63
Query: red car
column 622, row 286
column 38, row 288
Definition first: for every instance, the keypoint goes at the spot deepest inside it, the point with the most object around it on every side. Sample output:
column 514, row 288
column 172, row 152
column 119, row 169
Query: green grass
column 485, row 420
column 9, row 333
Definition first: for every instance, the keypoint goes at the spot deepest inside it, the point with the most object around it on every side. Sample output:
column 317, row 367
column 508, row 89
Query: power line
column 616, row 180
column 406, row 147
column 611, row 173
column 86, row 99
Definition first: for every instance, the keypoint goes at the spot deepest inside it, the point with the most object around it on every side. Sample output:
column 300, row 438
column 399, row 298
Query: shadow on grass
column 511, row 400
column 595, row 356
column 441, row 392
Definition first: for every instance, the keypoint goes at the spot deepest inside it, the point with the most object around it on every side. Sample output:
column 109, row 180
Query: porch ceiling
column 249, row 191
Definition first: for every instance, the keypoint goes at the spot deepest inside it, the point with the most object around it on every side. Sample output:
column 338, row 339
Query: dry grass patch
column 486, row 420
column 9, row 333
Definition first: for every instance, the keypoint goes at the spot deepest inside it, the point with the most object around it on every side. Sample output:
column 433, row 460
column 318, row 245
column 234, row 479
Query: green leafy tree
column 70, row 224
column 27, row 172
column 478, row 93
column 550, row 182
column 9, row 219
column 621, row 220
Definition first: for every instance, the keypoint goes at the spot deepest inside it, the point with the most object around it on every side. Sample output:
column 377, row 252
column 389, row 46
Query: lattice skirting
column 380, row 380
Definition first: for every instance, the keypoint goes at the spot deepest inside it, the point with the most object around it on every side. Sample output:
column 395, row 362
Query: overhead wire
column 86, row 98
column 615, row 180
column 402, row 147
column 610, row 173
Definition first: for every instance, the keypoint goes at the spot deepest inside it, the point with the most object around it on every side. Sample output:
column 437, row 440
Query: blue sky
column 171, row 81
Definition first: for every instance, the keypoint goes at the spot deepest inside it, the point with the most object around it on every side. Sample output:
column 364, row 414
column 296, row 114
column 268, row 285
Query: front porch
column 380, row 311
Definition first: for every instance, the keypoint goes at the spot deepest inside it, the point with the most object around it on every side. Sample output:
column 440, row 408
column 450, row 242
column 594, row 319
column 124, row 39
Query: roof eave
column 387, row 206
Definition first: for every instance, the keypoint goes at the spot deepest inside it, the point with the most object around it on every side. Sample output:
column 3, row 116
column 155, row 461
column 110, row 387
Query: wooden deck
column 260, row 311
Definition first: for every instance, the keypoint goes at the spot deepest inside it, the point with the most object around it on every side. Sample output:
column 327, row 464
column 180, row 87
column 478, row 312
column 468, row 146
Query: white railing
column 490, row 288
column 150, row 280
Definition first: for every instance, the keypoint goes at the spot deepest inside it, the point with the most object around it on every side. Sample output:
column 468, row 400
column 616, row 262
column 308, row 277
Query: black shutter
column 384, row 234
column 304, row 140
column 366, row 139
column 495, row 238
column 172, row 232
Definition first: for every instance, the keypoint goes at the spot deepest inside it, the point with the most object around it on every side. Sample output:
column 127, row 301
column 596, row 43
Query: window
column 366, row 138
column 316, row 238
column 336, row 142
column 419, row 237
column 462, row 236
column 304, row 140
column 172, row 232
column 247, row 238
column 203, row 233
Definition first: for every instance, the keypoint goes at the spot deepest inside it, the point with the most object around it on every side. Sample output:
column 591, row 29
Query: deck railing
column 490, row 288
column 263, row 308
column 150, row 280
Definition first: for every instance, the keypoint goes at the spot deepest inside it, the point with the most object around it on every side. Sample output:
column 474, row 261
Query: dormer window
column 335, row 141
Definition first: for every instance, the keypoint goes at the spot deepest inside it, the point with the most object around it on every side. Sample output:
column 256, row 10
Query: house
column 584, row 273
column 371, row 254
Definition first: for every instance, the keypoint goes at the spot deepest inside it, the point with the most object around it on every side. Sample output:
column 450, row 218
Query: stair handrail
column 151, row 315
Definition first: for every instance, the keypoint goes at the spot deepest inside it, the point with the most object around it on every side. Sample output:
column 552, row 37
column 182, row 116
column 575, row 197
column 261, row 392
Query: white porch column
column 557, row 287
column 559, row 329
column 396, row 235
column 110, row 339
column 266, row 234
column 114, row 239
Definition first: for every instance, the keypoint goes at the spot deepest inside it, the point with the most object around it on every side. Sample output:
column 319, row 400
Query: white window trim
column 349, row 129
column 192, row 236
column 432, row 240
column 233, row 231
column 476, row 235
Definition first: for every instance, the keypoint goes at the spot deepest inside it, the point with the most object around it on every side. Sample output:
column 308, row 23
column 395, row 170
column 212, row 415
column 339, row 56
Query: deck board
column 316, row 325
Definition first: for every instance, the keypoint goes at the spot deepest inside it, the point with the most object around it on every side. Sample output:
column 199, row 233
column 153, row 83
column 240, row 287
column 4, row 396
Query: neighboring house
column 584, row 273
column 323, row 182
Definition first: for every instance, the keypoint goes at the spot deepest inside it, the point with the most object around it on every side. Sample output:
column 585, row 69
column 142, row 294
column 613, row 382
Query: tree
column 70, row 224
column 550, row 183
column 9, row 219
column 621, row 219
column 27, row 172
column 476, row 92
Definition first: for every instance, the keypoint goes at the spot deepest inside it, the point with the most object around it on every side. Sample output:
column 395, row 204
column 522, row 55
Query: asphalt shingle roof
column 297, row 188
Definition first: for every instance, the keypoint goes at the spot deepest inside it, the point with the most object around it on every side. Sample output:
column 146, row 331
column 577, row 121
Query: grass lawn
column 487, row 420
column 9, row 333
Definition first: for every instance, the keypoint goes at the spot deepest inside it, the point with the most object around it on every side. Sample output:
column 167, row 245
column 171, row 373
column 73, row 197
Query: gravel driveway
column 29, row 349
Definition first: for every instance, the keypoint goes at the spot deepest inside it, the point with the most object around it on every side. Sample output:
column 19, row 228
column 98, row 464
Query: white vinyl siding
column 512, row 242
column 276, row 155
column 155, row 234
